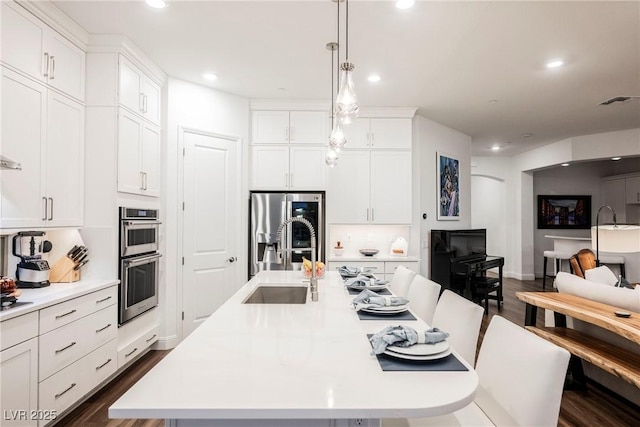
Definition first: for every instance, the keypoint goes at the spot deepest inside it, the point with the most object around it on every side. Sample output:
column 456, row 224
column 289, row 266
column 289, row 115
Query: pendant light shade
column 347, row 100
column 332, row 157
column 337, row 139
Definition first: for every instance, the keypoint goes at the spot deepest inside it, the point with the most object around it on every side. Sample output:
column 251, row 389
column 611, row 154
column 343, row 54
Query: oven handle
column 143, row 222
column 140, row 261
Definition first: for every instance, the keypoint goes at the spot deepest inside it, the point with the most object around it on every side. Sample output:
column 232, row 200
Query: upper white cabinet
column 138, row 155
column 138, row 92
column 44, row 131
column 394, row 133
column 370, row 186
column 295, row 127
column 33, row 48
column 632, row 190
column 278, row 167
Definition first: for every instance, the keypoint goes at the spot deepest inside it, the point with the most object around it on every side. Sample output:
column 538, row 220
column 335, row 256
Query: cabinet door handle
column 69, row 388
column 141, row 180
column 152, row 337
column 44, row 218
column 144, row 103
column 291, row 180
column 60, row 350
column 103, row 299
column 103, row 328
column 141, row 102
column 144, row 178
column 286, row 134
column 638, row 197
column 292, row 133
column 132, row 351
column 53, row 68
column 367, row 214
column 65, row 314
column 45, row 72
column 51, row 209
column 372, row 138
column 103, row 365
column 372, row 214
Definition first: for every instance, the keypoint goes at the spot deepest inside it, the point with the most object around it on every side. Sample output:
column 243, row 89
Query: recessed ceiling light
column 615, row 159
column 564, row 164
column 156, row 4
column 210, row 76
column 495, row 147
column 373, row 78
column 493, row 101
column 404, row 4
column 555, row 63
column 527, row 135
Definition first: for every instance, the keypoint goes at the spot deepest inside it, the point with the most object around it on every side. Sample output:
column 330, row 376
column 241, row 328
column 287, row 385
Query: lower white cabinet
column 131, row 350
column 382, row 269
column 19, row 384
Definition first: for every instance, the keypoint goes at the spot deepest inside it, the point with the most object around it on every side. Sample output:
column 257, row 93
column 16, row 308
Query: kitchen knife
column 79, row 266
column 83, row 250
column 82, row 258
column 75, row 253
column 72, row 250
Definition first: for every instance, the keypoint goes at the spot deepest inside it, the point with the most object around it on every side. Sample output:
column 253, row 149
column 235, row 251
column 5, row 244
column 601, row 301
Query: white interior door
column 210, row 224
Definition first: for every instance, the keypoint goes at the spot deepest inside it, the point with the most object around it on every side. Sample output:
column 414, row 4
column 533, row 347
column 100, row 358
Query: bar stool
column 559, row 257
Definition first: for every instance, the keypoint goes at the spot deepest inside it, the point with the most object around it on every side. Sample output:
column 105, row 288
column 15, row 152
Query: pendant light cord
column 332, row 71
column 346, row 48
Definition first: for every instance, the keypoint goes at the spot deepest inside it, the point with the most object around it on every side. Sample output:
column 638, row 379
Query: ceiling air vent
column 617, row 99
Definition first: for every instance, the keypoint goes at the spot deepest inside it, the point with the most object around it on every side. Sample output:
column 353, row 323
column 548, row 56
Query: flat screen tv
column 564, row 212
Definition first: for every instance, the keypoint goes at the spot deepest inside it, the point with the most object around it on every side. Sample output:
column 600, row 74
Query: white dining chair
column 423, row 297
column 521, row 377
column 401, row 281
column 462, row 319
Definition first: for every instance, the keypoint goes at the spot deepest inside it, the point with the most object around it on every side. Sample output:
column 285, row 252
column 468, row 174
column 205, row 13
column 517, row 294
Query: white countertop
column 569, row 238
column 377, row 257
column 298, row 361
column 53, row 294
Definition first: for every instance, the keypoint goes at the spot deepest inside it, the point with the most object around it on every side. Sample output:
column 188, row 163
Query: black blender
column 32, row 271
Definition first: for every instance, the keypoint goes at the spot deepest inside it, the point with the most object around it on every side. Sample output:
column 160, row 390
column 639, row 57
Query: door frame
column 237, row 140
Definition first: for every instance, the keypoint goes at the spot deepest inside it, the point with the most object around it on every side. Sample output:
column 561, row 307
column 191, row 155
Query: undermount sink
column 277, row 294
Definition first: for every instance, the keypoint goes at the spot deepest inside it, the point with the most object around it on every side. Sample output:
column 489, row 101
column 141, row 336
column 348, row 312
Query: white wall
column 198, row 107
column 429, row 138
column 518, row 172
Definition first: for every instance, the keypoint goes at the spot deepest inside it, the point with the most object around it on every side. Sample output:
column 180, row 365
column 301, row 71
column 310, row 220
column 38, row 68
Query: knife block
column 63, row 271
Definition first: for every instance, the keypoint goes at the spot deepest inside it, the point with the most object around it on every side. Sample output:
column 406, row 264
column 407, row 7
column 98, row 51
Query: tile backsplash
column 356, row 237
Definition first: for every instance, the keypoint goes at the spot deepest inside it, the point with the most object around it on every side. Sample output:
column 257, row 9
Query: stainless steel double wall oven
column 139, row 261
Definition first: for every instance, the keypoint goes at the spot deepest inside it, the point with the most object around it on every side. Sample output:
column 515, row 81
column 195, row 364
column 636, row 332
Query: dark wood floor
column 594, row 407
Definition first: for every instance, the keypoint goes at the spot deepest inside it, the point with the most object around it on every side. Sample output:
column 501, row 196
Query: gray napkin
column 363, row 281
column 367, row 298
column 404, row 336
column 350, row 271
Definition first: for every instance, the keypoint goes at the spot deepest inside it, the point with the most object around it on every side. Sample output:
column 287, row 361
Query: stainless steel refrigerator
column 267, row 212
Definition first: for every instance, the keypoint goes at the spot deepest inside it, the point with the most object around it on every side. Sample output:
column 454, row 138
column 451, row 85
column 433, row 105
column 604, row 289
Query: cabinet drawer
column 18, row 329
column 65, row 388
column 64, row 313
column 132, row 350
column 100, row 364
column 65, row 345
column 390, row 266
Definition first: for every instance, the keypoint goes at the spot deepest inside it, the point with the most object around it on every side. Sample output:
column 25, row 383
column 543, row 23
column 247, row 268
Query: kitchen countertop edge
column 381, row 258
column 53, row 294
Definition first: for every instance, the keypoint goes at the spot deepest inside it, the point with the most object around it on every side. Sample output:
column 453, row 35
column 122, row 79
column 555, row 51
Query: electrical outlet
column 357, row 422
column 349, row 237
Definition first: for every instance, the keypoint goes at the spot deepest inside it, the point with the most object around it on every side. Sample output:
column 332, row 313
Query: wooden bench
column 620, row 362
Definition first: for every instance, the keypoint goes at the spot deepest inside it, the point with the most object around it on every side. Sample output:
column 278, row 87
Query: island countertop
column 289, row 361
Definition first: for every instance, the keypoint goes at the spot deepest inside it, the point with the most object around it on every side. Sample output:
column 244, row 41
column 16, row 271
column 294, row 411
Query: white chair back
column 522, row 374
column 401, row 281
column 423, row 297
column 462, row 319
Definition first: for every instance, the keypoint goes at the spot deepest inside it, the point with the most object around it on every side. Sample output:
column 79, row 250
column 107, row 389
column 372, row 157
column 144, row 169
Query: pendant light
column 347, row 100
column 337, row 139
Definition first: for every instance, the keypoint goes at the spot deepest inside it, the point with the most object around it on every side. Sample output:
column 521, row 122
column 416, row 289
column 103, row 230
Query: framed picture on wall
column 564, row 212
column 448, row 187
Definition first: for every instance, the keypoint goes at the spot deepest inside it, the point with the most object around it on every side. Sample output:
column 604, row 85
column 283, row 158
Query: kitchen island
column 293, row 364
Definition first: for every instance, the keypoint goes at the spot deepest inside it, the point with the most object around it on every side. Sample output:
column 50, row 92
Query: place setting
column 366, row 280
column 370, row 305
column 402, row 348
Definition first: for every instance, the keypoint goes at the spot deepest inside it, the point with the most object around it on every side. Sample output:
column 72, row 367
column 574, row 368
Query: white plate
column 387, row 309
column 421, row 349
column 376, row 287
column 436, row 356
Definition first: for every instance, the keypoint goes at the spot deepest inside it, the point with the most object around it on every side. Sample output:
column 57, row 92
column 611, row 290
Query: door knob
column 232, row 259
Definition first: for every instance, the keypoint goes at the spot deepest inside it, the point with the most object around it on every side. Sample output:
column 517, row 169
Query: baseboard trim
column 166, row 343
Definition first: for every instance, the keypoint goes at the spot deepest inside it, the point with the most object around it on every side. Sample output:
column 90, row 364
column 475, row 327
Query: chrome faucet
column 314, row 280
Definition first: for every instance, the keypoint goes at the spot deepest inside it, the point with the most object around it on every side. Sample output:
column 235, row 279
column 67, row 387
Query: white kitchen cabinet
column 394, row 133
column 137, row 92
column 285, row 127
column 370, row 186
column 44, row 131
column 280, row 167
column 383, row 269
column 19, row 384
column 613, row 194
column 632, row 190
column 138, row 155
column 32, row 47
